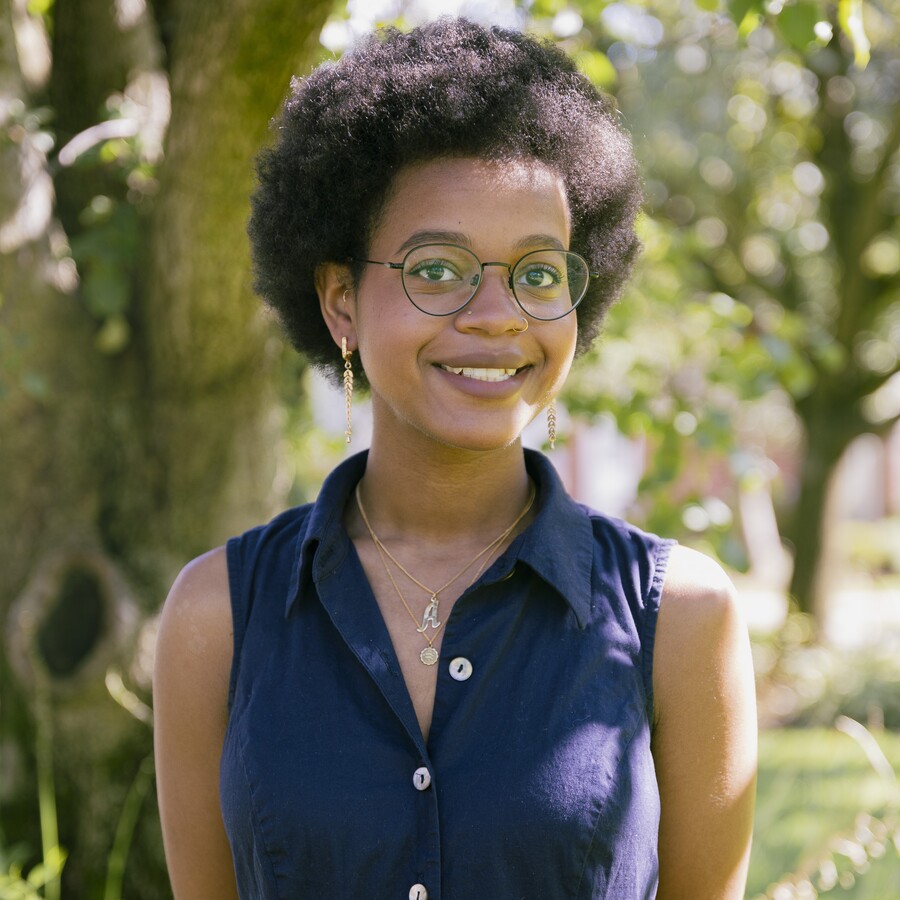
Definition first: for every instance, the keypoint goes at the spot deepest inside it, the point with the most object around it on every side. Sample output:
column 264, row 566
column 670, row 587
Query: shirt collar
column 557, row 546
column 325, row 542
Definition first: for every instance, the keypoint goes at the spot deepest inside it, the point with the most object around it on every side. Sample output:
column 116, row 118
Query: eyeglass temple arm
column 376, row 262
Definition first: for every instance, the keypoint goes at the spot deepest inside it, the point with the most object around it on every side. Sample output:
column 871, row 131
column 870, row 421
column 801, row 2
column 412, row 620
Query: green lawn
column 812, row 785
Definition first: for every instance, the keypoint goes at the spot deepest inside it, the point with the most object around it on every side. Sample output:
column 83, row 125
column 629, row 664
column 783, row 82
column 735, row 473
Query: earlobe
column 337, row 301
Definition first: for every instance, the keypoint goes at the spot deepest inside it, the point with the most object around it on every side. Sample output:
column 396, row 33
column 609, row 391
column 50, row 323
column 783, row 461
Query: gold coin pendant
column 429, row 656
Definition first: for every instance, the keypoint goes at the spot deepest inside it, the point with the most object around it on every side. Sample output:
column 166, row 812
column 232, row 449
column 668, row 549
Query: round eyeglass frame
column 511, row 267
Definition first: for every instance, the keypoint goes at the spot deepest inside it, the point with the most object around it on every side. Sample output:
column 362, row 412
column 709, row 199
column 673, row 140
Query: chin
column 475, row 442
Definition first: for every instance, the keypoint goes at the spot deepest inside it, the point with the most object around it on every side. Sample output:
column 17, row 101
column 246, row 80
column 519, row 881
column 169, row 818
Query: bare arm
column 704, row 740
column 190, row 697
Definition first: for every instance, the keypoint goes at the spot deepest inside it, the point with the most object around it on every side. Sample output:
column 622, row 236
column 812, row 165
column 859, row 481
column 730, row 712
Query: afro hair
column 450, row 88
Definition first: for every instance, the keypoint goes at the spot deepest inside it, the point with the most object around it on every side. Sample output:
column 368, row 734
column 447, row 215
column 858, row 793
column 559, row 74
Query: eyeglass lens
column 441, row 279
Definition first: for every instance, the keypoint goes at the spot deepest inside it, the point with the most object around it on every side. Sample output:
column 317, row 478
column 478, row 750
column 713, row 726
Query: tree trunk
column 210, row 350
column 63, row 614
column 116, row 469
column 806, row 533
column 831, row 422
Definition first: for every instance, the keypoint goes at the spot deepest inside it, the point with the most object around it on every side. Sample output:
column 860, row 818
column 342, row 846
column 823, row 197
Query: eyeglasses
column 440, row 279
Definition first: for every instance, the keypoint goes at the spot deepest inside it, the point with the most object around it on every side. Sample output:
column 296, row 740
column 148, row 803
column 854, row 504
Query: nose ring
column 521, row 330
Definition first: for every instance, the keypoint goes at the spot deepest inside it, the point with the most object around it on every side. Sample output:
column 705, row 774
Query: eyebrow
column 532, row 241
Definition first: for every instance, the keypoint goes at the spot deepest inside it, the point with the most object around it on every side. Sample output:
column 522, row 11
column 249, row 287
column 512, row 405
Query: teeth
column 481, row 374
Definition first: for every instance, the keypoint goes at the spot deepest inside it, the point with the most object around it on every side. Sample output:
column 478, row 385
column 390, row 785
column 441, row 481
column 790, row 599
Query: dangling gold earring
column 551, row 423
column 348, row 385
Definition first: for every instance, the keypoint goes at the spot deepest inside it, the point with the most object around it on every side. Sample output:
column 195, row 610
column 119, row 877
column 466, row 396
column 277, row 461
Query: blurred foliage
column 873, row 549
column 22, row 124
column 768, row 135
column 107, row 242
column 43, row 878
column 804, row 684
column 310, row 451
column 16, row 885
column 825, row 816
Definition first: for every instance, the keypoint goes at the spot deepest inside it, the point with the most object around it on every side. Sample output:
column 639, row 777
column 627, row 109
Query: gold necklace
column 429, row 656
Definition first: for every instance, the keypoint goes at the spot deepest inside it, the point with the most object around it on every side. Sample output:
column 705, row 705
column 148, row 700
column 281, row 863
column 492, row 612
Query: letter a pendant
column 429, row 617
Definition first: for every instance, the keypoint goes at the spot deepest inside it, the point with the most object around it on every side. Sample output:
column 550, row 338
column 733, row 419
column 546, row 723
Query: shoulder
column 190, row 715
column 286, row 528
column 200, row 591
column 624, row 537
column 701, row 636
column 282, row 536
column 194, row 642
column 636, row 560
column 697, row 586
column 704, row 732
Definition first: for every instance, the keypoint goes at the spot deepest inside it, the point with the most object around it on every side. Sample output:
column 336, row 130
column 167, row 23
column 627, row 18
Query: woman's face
column 499, row 211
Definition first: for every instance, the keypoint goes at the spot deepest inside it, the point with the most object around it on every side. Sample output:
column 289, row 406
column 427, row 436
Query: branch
column 96, row 134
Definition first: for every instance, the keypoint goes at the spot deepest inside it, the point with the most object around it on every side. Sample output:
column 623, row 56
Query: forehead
column 486, row 200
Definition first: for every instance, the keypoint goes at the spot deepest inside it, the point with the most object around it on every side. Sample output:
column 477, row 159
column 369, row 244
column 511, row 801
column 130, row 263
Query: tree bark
column 210, row 351
column 827, row 437
column 117, row 469
column 48, row 489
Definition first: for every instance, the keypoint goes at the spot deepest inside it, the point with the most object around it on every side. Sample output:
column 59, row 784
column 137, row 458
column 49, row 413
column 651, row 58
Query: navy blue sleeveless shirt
column 536, row 781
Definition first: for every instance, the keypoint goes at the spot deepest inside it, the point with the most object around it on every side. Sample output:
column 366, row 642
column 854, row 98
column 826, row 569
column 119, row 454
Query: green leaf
column 797, row 24
column 740, row 9
column 547, row 8
column 39, row 7
column 708, row 5
column 850, row 17
column 40, row 875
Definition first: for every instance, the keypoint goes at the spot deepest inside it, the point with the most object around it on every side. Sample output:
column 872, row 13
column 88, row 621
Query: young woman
column 445, row 678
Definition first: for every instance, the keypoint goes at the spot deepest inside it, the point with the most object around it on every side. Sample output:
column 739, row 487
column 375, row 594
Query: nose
column 493, row 308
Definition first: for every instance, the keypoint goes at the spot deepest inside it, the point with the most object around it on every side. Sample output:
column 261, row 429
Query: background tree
column 138, row 414
column 769, row 139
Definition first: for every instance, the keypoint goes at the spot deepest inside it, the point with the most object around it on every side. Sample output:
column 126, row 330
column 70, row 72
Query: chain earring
column 348, row 385
column 551, row 423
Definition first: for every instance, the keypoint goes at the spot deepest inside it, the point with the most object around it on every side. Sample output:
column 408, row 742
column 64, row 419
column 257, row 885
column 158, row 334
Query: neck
column 442, row 493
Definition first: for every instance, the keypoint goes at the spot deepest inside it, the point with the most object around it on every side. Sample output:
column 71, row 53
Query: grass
column 813, row 784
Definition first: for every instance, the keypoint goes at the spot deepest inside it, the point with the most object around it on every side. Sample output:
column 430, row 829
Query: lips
column 482, row 373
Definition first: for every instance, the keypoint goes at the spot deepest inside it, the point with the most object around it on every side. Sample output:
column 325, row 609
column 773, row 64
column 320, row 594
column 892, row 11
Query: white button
column 422, row 779
column 461, row 669
column 418, row 892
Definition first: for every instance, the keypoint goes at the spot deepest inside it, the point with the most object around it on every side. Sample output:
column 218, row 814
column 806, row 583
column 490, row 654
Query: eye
column 540, row 275
column 434, row 270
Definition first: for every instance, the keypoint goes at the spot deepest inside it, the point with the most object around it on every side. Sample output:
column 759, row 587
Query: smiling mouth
column 481, row 374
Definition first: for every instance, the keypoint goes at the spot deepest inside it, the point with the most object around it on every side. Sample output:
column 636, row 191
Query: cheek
column 568, row 339
column 391, row 334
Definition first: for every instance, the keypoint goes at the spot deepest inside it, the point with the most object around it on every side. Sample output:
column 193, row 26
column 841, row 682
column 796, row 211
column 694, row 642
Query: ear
column 337, row 301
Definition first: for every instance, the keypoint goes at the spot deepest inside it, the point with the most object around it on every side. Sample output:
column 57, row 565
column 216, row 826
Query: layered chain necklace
column 429, row 656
